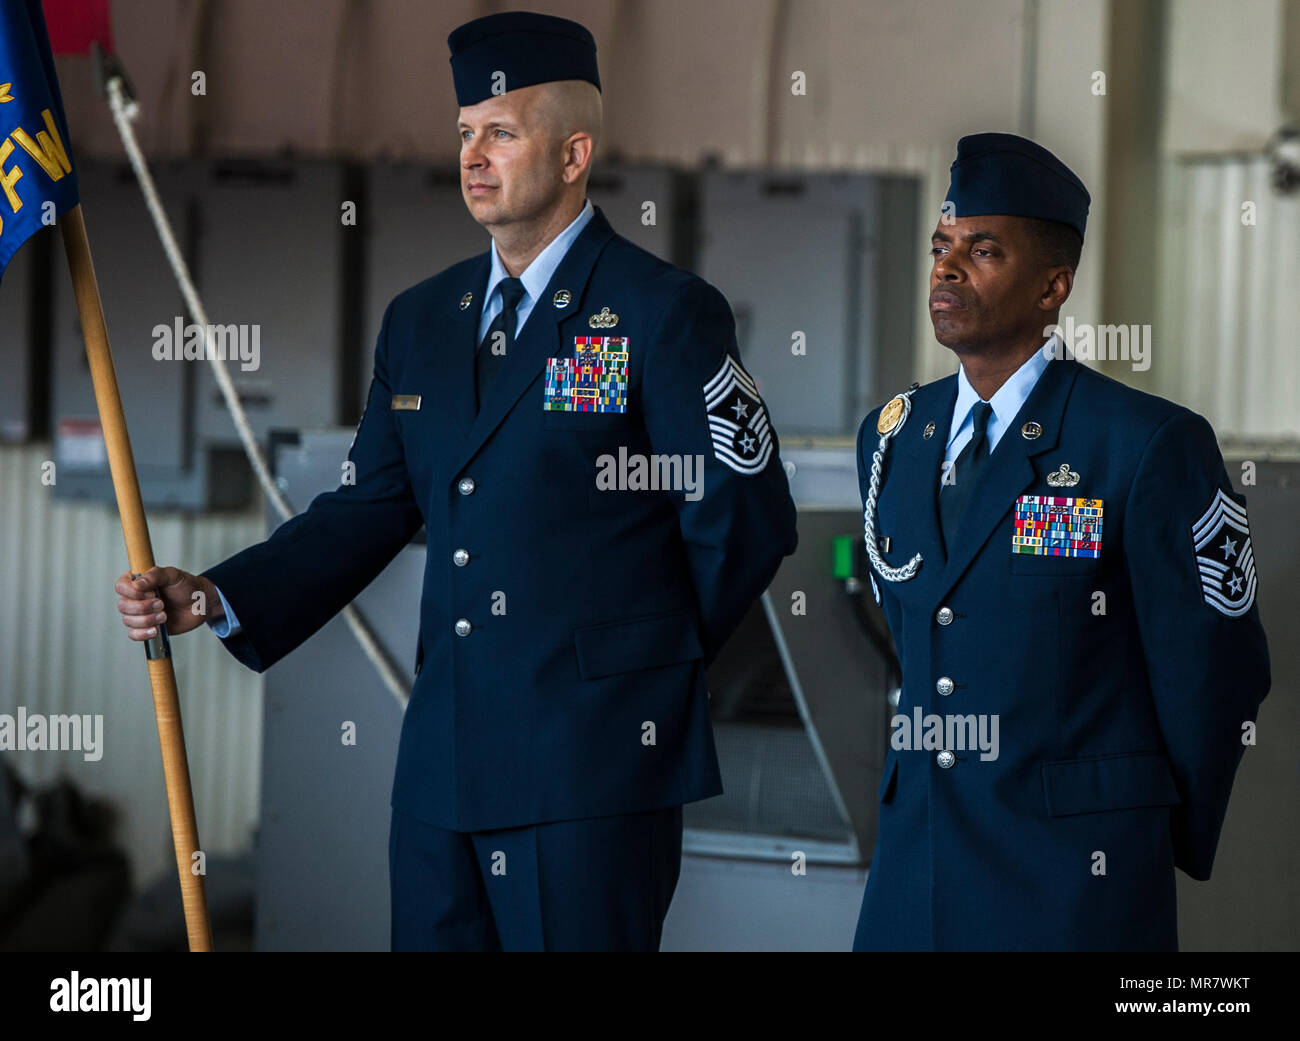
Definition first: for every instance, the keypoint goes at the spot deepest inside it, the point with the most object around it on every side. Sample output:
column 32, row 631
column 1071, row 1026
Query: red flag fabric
column 75, row 24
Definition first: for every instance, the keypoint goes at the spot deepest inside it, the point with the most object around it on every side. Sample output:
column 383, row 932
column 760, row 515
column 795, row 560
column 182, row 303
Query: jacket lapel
column 539, row 337
column 1010, row 469
column 463, row 343
column 913, row 464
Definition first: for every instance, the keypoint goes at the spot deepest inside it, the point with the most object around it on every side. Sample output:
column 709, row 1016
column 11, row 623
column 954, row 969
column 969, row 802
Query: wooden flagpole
column 139, row 552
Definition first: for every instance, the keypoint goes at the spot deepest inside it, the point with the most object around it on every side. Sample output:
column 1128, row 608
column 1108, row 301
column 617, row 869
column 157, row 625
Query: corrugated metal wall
column 63, row 649
column 1229, row 310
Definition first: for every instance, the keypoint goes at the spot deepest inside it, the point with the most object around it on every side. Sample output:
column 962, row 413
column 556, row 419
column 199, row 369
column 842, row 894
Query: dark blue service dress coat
column 563, row 650
column 1123, row 683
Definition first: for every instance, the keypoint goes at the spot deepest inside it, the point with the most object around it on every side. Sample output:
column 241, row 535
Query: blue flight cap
column 1010, row 175
column 518, row 49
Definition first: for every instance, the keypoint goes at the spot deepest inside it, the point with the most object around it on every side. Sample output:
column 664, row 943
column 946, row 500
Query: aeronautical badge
column 1224, row 557
column 593, row 380
column 742, row 436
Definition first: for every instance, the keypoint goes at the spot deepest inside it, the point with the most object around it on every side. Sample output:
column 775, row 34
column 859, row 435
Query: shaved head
column 570, row 107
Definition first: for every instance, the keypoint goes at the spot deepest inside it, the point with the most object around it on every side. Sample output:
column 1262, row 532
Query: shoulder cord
column 908, row 570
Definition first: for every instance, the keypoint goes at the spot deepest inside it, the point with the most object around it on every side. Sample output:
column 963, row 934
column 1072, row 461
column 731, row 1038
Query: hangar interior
column 810, row 212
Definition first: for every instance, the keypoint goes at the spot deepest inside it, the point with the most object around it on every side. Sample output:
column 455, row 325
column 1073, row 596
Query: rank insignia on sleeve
column 593, row 380
column 742, row 436
column 1050, row 526
column 1224, row 557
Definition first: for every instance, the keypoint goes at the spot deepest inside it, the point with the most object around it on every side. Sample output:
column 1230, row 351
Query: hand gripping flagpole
column 139, row 551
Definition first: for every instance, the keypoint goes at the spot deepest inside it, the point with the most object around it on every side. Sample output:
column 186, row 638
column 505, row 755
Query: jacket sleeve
column 313, row 565
column 1205, row 651
column 743, row 521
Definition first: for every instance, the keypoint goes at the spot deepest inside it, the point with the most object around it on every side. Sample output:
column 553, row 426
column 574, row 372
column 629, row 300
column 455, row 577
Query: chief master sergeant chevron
column 560, row 718
column 1064, row 556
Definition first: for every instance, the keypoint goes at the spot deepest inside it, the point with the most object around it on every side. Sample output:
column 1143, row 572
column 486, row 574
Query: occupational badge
column 1063, row 478
column 1225, row 559
column 742, row 436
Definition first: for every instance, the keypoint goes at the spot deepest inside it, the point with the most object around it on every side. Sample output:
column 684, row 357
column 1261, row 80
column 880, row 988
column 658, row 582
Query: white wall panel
column 1227, row 344
column 63, row 649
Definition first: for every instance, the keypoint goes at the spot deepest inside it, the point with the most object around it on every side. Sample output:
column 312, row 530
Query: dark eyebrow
column 494, row 125
column 971, row 237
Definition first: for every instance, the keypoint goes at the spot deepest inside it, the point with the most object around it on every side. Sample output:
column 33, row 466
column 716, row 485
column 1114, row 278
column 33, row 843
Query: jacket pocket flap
column 1114, row 782
column 642, row 643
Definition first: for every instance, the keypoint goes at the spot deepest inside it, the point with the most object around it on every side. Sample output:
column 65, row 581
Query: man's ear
column 1060, row 283
column 578, row 149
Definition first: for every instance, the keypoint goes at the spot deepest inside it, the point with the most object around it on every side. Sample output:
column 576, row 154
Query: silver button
column 466, row 486
column 460, row 558
column 945, row 686
column 946, row 759
column 944, row 617
column 463, row 628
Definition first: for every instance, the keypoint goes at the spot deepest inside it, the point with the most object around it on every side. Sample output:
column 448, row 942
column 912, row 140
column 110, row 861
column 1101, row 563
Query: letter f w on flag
column 37, row 180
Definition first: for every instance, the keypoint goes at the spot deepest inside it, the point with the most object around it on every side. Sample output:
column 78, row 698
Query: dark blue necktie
column 487, row 363
column 966, row 473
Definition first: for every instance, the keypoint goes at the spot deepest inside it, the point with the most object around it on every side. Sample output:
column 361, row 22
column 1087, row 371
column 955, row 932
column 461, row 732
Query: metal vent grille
column 773, row 786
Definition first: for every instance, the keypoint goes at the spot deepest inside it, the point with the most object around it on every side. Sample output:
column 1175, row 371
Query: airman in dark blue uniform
column 1070, row 581
column 568, row 417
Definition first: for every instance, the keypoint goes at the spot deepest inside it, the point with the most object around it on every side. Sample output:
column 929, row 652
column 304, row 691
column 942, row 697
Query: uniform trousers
column 594, row 884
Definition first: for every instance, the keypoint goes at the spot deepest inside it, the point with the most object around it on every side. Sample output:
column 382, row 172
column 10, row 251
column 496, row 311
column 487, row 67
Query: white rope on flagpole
column 124, row 112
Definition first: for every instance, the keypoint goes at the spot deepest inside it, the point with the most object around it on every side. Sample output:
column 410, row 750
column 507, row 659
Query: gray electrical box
column 140, row 298
column 271, row 247
column 653, row 206
column 414, row 224
column 820, row 273
column 268, row 250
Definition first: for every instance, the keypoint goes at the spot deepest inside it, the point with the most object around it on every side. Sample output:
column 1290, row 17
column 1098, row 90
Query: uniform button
column 944, row 616
column 460, row 558
column 946, row 759
column 466, row 486
column 945, row 686
column 463, row 628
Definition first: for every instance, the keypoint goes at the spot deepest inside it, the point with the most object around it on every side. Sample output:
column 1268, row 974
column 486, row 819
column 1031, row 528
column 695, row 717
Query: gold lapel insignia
column 1031, row 430
column 604, row 320
column 562, row 298
column 465, row 300
column 929, row 431
column 1063, row 478
column 405, row 403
